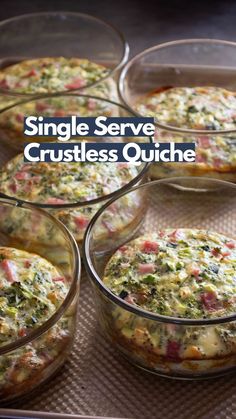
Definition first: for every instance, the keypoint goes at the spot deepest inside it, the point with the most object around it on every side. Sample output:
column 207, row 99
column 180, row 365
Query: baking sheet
column 97, row 381
column 27, row 414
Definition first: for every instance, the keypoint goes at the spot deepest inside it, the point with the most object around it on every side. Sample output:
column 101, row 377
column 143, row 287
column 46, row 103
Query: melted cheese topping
column 208, row 108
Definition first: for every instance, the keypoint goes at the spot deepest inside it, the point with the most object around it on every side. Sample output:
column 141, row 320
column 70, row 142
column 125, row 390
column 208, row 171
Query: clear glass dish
column 58, row 105
column 186, row 63
column 11, row 133
column 39, row 350
column 62, row 34
column 148, row 339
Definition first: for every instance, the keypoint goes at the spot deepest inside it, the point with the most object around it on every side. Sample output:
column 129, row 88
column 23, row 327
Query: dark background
column 144, row 22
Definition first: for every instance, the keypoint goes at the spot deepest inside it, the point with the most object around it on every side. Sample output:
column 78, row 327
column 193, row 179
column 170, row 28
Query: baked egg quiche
column 32, row 290
column 66, row 183
column 195, row 108
column 47, row 76
column 215, row 157
column 184, row 274
column 50, row 75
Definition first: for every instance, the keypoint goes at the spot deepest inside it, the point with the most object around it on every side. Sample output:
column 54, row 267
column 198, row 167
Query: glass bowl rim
column 95, row 278
column 82, row 203
column 157, row 47
column 73, row 289
column 119, row 34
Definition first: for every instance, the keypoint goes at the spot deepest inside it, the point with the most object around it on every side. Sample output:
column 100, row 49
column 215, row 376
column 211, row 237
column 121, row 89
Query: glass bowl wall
column 37, row 354
column 138, row 334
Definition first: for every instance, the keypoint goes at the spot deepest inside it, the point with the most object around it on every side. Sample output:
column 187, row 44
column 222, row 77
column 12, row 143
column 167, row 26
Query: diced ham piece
column 123, row 249
column 20, row 117
column 217, row 162
column 35, row 179
column 29, row 184
column 59, row 113
column 59, row 279
column 18, row 84
column 31, row 73
column 91, row 104
column 40, row 106
column 196, row 273
column 146, row 268
column 26, row 167
column 27, row 264
column 225, row 253
column 220, row 253
column 230, row 245
column 193, row 269
column 13, row 187
column 209, row 300
column 55, row 201
column 215, row 252
column 4, row 84
column 200, row 158
column 131, row 298
column 81, row 222
column 175, row 235
column 151, row 106
column 149, row 247
column 122, row 165
column 22, row 175
column 172, row 350
column 10, row 269
column 203, row 141
column 22, row 332
column 75, row 84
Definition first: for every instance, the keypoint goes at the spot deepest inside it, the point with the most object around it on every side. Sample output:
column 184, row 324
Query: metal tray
column 96, row 381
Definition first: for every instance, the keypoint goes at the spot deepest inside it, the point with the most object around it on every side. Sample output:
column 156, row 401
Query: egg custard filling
column 183, row 273
column 47, row 76
column 215, row 157
column 31, row 291
column 65, row 183
column 50, row 75
column 196, row 108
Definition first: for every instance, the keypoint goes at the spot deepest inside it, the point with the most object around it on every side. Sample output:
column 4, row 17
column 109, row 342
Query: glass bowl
column 62, row 34
column 74, row 213
column 38, row 351
column 186, row 347
column 57, row 105
column 186, row 63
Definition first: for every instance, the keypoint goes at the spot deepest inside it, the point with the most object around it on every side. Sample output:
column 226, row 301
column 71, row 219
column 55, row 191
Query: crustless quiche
column 47, row 76
column 195, row 108
column 32, row 290
column 67, row 183
column 183, row 273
